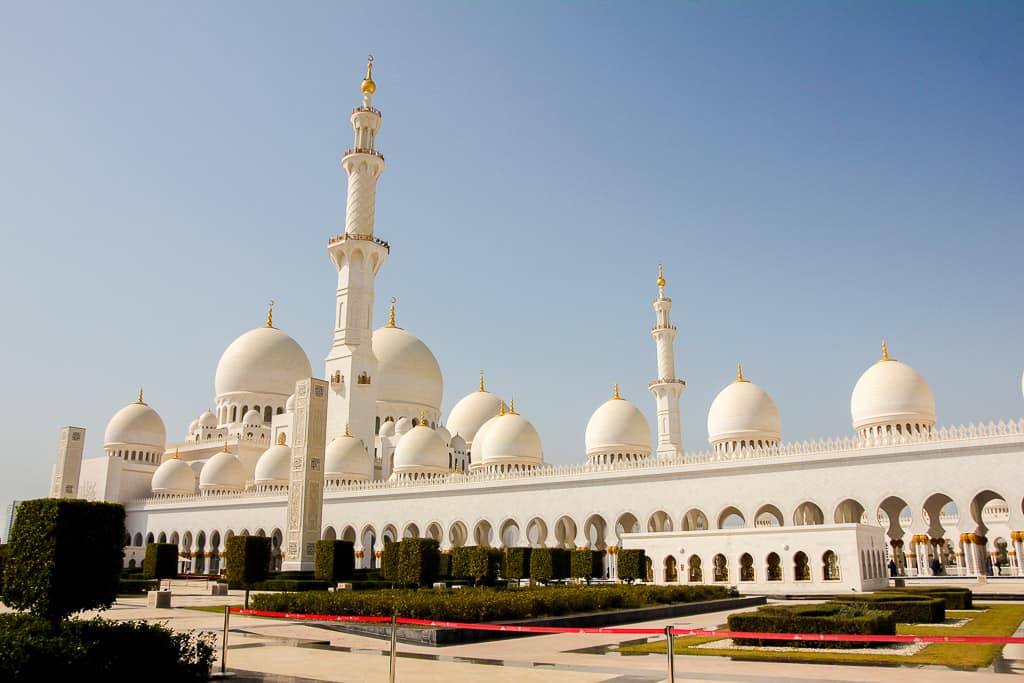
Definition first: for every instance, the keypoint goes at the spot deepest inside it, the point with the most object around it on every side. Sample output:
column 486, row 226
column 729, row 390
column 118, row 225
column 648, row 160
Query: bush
column 33, row 649
column 3, row 559
column 473, row 605
column 631, row 564
column 64, row 556
column 248, row 560
column 417, row 561
column 549, row 564
column 444, row 565
column 334, row 560
column 955, row 598
column 516, row 564
column 389, row 562
column 834, row 618
column 906, row 609
column 161, row 561
column 586, row 564
column 136, row 586
column 477, row 563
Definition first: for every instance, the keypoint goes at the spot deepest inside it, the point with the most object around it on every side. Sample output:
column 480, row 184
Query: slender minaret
column 667, row 388
column 69, row 463
column 358, row 256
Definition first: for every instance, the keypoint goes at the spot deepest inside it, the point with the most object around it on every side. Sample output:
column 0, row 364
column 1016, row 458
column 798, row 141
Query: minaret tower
column 358, row 255
column 666, row 389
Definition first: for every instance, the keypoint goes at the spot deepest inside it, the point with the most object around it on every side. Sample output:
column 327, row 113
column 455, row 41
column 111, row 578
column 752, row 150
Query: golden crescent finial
column 346, row 430
column 270, row 314
column 140, row 401
column 512, row 407
column 280, row 439
column 661, row 276
column 501, row 408
column 739, row 373
column 369, row 87
column 885, row 351
column 225, row 445
column 616, row 396
column 391, row 321
column 423, row 420
column 481, row 380
column 175, row 453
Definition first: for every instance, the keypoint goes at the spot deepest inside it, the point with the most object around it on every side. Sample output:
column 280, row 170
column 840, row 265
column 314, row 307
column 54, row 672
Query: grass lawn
column 996, row 620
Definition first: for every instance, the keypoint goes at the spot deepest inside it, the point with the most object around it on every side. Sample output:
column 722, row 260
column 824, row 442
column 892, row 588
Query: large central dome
column 262, row 361
column 407, row 372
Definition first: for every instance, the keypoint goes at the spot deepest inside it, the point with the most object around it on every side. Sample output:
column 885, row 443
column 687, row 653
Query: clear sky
column 815, row 176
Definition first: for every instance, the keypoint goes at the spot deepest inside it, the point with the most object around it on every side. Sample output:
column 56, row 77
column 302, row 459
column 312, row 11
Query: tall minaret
column 666, row 389
column 358, row 256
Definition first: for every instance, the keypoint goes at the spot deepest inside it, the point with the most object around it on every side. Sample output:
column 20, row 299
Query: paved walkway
column 283, row 652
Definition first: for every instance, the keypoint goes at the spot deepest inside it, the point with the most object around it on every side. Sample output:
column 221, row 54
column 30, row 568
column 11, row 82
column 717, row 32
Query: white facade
column 394, row 470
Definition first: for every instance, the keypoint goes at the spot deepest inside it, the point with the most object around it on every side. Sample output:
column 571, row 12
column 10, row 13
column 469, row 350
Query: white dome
column 289, row 405
column 403, row 426
column 222, row 471
column 262, row 361
column 193, row 426
column 407, row 371
column 421, row 451
column 274, row 465
column 470, row 413
column 457, row 443
column 208, row 419
column 618, row 426
column 476, row 449
column 445, row 435
column 136, row 423
column 512, row 440
column 387, row 428
column 346, row 459
column 174, row 477
column 252, row 417
column 891, row 393
column 742, row 412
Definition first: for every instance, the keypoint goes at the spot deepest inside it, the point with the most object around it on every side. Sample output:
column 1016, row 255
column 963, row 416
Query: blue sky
column 815, row 176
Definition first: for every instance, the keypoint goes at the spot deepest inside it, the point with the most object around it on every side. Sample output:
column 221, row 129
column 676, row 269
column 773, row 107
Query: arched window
column 280, row 410
column 830, row 566
column 268, row 414
column 801, row 567
column 721, row 568
column 774, row 567
column 696, row 573
column 234, row 413
column 670, row 570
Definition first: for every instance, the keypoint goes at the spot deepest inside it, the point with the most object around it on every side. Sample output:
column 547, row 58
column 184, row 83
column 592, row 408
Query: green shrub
column 474, row 605
column 549, row 564
column 3, row 559
column 389, row 562
column 334, row 560
column 631, row 564
column 444, row 565
column 586, row 564
column 475, row 562
column 516, row 564
column 32, row 649
column 64, row 556
column 955, row 597
column 136, row 586
column 906, row 609
column 161, row 561
column 248, row 560
column 834, row 618
column 417, row 561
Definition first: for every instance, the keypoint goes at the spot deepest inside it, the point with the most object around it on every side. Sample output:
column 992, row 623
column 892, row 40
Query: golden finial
column 501, row 409
column 616, row 396
column 140, row 401
column 423, row 420
column 369, row 86
column 481, row 380
column 280, row 439
column 175, row 453
column 225, row 445
column 346, row 430
column 739, row 373
column 512, row 407
column 885, row 351
column 391, row 322
column 661, row 276
column 270, row 314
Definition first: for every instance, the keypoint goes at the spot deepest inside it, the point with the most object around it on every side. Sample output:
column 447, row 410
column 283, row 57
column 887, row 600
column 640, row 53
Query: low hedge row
column 136, row 586
column 906, row 609
column 832, row 618
column 293, row 585
column 486, row 604
column 955, row 598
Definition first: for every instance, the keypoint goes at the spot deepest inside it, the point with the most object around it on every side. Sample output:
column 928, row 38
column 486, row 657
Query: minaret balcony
column 355, row 236
column 368, row 110
column 363, row 150
column 666, row 380
column 655, row 328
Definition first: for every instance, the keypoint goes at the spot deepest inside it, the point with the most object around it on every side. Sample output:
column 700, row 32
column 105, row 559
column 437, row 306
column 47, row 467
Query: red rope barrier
column 509, row 628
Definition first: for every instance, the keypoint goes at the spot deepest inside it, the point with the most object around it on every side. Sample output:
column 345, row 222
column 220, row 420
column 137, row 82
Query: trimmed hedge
column 33, row 649
column 955, row 598
column 136, row 586
column 472, row 605
column 334, row 560
column 477, row 563
column 549, row 564
column 3, row 559
column 248, row 560
column 389, row 562
column 64, row 556
column 586, row 564
column 834, row 618
column 161, row 561
column 516, row 563
column 906, row 609
column 444, row 565
column 631, row 564
column 417, row 561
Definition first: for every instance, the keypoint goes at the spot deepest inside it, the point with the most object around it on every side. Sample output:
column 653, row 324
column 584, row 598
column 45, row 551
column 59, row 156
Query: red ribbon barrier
column 509, row 628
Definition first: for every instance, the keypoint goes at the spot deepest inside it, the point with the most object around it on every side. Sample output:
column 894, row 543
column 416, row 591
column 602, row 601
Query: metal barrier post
column 224, row 640
column 670, row 649
column 394, row 647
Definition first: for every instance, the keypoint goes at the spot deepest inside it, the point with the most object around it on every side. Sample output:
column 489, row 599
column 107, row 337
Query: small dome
column 262, row 361
column 476, row 449
column 174, row 478
column 136, row 423
column 618, row 426
column 445, row 435
column 274, row 465
column 208, row 420
column 512, row 441
column 289, row 405
column 346, row 459
column 421, row 451
column 891, row 393
column 223, row 471
column 252, row 417
column 470, row 413
column 193, row 426
column 403, row 426
column 458, row 444
column 387, row 428
column 743, row 414
column 407, row 372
